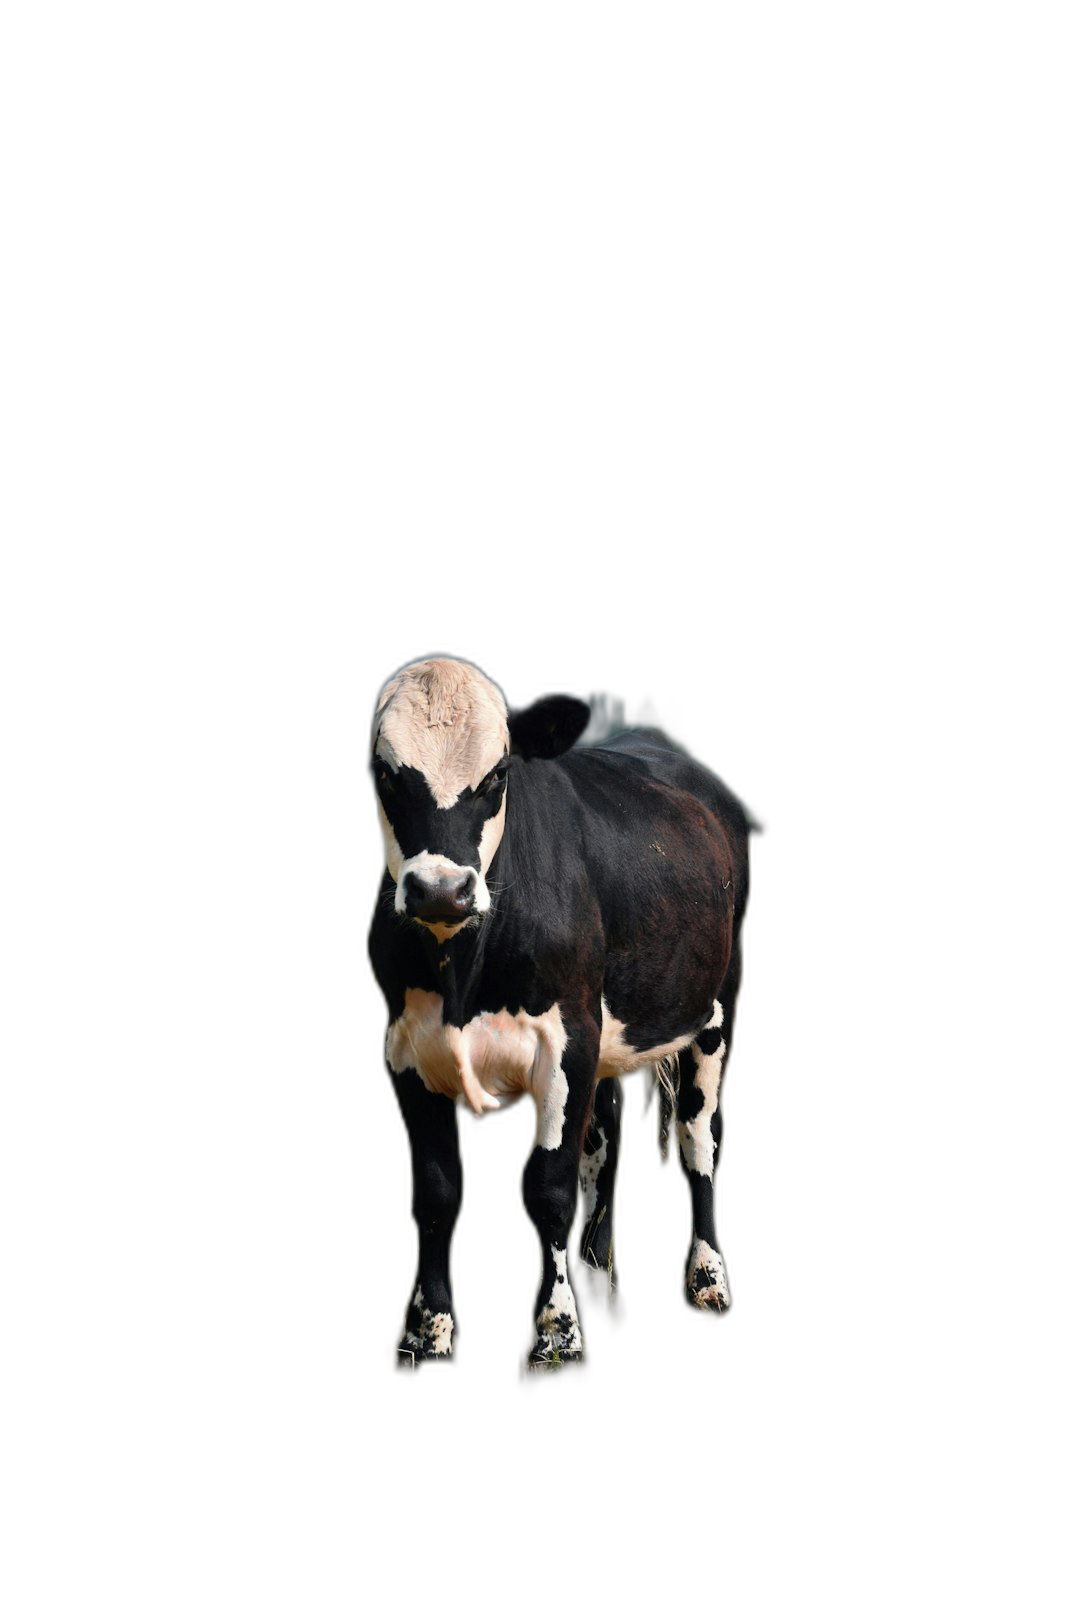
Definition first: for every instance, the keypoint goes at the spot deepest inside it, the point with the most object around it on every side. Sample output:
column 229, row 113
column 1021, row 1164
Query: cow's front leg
column 563, row 1091
column 436, row 1166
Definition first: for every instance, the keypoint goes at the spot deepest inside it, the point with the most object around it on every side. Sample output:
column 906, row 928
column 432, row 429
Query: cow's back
column 672, row 765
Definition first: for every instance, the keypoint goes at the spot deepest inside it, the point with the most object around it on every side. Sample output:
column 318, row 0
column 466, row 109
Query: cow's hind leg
column 436, row 1165
column 563, row 1095
column 599, row 1162
column 700, row 1127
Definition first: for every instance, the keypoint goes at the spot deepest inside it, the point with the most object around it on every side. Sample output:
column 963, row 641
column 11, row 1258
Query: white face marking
column 490, row 839
column 591, row 1166
column 435, row 1337
column 706, row 1279
column 430, row 868
column 446, row 720
column 696, row 1143
column 394, row 857
column 496, row 1054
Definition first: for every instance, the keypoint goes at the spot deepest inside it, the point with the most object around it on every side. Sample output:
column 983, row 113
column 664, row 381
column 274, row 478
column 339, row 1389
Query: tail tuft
column 666, row 1076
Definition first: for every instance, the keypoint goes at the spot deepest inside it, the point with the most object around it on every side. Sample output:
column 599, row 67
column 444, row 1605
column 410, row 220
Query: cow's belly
column 617, row 1056
column 496, row 1054
column 499, row 1054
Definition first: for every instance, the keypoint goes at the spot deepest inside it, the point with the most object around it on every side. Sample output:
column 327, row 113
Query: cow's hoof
column 708, row 1300
column 596, row 1290
column 410, row 1355
column 552, row 1363
column 705, row 1287
column 706, row 1293
column 428, row 1337
column 599, row 1256
column 558, row 1340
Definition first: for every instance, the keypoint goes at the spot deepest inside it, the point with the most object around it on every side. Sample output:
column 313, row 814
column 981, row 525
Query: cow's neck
column 457, row 964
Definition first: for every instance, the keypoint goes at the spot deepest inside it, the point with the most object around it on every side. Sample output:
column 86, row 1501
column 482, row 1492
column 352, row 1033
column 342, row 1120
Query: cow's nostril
column 415, row 890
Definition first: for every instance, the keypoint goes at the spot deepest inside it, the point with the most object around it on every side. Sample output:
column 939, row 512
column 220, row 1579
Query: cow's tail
column 666, row 1076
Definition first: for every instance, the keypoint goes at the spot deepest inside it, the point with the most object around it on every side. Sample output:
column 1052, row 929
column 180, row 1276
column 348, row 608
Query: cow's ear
column 548, row 727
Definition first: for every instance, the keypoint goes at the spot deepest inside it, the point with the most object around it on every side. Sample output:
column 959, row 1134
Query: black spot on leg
column 709, row 1041
column 691, row 1102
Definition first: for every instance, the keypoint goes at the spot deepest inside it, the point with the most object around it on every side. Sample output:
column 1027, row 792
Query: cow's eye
column 493, row 781
column 384, row 780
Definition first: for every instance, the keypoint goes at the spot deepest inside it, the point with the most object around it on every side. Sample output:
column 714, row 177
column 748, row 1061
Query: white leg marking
column 557, row 1326
column 695, row 1135
column 550, row 1086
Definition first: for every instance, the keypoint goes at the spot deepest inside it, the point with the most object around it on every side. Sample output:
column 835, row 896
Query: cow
column 551, row 916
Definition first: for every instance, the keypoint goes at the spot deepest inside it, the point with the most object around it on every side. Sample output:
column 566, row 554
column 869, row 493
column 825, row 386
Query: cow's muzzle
column 441, row 899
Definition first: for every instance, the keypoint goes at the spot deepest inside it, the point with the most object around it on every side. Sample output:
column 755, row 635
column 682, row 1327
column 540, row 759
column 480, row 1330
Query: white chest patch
column 496, row 1054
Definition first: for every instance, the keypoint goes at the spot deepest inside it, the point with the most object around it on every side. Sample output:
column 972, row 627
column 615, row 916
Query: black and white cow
column 550, row 917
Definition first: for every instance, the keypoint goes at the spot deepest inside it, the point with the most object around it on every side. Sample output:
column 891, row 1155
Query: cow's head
column 441, row 745
column 441, row 750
